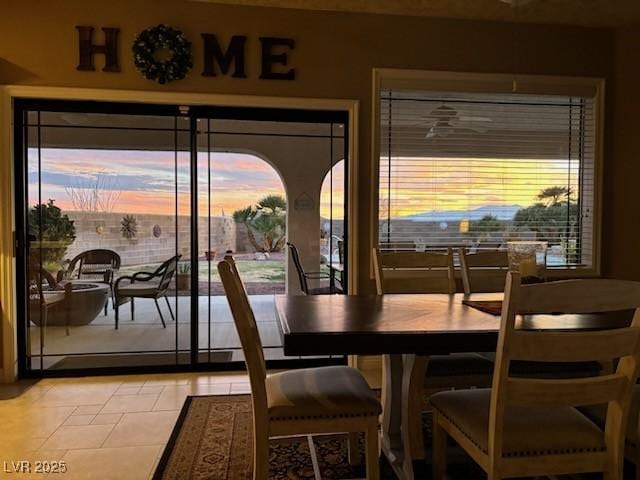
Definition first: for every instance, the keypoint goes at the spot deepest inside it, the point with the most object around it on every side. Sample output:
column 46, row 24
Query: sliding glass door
column 124, row 210
column 266, row 186
column 105, row 196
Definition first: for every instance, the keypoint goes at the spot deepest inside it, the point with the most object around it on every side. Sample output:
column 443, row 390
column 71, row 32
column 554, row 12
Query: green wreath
column 149, row 41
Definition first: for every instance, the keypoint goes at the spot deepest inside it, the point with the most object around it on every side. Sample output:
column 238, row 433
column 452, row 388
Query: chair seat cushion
column 527, row 431
column 138, row 289
column 326, row 392
column 598, row 413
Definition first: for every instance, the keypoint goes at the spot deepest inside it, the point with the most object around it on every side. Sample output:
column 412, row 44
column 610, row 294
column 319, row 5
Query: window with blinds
column 478, row 170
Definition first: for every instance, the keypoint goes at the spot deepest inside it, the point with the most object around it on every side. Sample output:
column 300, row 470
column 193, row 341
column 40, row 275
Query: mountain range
column 502, row 212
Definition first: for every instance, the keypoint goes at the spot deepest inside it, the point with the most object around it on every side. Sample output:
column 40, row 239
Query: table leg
column 391, row 406
column 414, row 371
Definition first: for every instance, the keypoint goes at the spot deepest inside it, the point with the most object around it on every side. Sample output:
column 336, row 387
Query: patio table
column 407, row 328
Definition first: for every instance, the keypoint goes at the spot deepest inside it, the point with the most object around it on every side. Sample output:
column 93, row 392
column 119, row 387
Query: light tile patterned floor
column 102, row 427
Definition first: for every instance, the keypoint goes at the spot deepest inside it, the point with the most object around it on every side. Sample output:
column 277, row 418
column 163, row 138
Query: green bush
column 53, row 231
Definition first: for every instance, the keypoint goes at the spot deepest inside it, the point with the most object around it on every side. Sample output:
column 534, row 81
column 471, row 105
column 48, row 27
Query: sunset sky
column 147, row 180
column 442, row 184
column 147, row 183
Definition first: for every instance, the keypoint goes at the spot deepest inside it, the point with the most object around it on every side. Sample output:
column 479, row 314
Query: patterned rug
column 213, row 440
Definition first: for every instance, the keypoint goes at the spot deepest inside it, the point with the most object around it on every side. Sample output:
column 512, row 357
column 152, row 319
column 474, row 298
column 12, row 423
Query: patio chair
column 341, row 277
column 300, row 402
column 529, row 427
column 98, row 264
column 146, row 285
column 304, row 276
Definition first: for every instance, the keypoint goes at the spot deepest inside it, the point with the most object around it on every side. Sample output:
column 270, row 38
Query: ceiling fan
column 445, row 120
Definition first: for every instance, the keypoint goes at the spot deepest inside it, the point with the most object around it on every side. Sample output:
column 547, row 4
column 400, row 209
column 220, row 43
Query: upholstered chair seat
column 138, row 289
column 531, row 425
column 326, row 392
column 300, row 402
column 527, row 431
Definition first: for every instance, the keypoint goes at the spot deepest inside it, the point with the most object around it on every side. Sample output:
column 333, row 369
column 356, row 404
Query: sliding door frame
column 10, row 276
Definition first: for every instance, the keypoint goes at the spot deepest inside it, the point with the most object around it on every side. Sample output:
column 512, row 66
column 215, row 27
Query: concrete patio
column 145, row 333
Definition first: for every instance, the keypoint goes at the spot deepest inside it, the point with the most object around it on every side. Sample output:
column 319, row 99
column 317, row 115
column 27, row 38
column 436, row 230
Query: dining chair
column 486, row 272
column 483, row 271
column 430, row 272
column 304, row 276
column 153, row 285
column 300, row 402
column 530, row 426
column 414, row 272
column 598, row 413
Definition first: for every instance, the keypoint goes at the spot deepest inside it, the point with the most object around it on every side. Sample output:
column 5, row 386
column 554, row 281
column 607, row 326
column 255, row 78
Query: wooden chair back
column 247, row 328
column 414, row 272
column 483, row 271
column 566, row 297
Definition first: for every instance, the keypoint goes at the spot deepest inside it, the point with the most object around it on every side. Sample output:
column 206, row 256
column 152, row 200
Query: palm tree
column 268, row 217
column 245, row 216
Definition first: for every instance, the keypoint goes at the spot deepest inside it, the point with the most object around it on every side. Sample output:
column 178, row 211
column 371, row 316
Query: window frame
column 429, row 80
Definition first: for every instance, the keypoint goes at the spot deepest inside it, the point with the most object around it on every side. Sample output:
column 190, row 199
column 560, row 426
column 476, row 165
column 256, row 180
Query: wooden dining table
column 406, row 328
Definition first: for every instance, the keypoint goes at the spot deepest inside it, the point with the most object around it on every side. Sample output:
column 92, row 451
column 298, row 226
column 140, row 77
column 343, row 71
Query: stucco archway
column 302, row 161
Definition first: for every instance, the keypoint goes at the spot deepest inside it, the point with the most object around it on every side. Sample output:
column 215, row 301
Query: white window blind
column 478, row 170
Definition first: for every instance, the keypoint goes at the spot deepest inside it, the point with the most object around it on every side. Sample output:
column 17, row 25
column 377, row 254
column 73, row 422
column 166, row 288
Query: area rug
column 213, row 440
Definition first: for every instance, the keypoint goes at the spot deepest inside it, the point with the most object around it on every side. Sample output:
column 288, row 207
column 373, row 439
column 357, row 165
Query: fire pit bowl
column 81, row 306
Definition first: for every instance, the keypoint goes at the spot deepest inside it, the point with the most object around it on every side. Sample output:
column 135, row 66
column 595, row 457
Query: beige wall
column 334, row 56
column 622, row 171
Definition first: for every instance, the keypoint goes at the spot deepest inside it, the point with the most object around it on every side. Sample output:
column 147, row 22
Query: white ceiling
column 572, row 12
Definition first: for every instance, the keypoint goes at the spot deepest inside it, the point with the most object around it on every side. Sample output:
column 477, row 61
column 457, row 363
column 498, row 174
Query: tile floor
column 104, row 428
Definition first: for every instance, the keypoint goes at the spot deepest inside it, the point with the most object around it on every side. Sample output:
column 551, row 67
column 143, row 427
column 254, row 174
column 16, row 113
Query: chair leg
column 372, row 459
column 117, row 313
column 260, row 457
column 160, row 312
column 439, row 449
column 132, row 310
column 354, row 448
column 169, row 307
column 613, row 474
